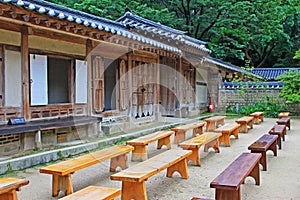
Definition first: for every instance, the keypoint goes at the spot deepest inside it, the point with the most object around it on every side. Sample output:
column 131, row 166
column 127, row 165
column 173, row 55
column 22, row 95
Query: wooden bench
column 209, row 139
column 94, row 192
column 283, row 114
column 279, row 130
column 258, row 117
column 133, row 178
column 197, row 198
column 139, row 144
column 284, row 121
column 262, row 145
column 228, row 183
column 62, row 171
column 213, row 122
column 9, row 187
column 181, row 130
column 227, row 130
column 245, row 122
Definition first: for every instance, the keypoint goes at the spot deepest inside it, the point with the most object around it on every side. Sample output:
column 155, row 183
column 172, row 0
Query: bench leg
column 210, row 126
column 61, row 183
column 220, row 122
column 256, row 120
column 279, row 141
column 134, row 190
column 179, row 136
column 273, row 147
column 225, row 138
column 263, row 159
column 11, row 195
column 236, row 133
column 120, row 161
column 250, row 124
column 197, row 131
column 223, row 194
column 180, row 167
column 164, row 141
column 244, row 127
column 214, row 144
column 255, row 174
column 195, row 156
column 139, row 152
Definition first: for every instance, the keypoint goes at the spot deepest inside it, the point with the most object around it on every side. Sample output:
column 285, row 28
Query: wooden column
column 157, row 74
column 25, row 72
column 180, row 82
column 130, row 84
column 89, row 48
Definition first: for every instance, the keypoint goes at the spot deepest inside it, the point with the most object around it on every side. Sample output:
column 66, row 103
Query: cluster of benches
column 133, row 178
column 227, row 183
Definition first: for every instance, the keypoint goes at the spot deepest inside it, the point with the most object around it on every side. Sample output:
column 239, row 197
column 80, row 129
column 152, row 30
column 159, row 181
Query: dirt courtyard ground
column 280, row 181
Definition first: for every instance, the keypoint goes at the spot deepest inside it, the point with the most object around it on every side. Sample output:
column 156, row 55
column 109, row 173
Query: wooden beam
column 89, row 48
column 25, row 72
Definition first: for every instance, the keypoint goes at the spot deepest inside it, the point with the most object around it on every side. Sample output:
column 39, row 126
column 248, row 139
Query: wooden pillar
column 130, row 84
column 89, row 48
column 25, row 72
column 180, row 82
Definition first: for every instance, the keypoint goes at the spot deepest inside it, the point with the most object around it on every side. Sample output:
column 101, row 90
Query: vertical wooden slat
column 130, row 84
column 180, row 82
column 25, row 72
column 89, row 48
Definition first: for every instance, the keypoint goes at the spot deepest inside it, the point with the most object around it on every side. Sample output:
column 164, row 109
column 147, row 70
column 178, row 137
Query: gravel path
column 281, row 181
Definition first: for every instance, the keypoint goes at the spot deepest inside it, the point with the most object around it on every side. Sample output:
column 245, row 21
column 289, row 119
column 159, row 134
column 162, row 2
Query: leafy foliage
column 264, row 32
column 291, row 88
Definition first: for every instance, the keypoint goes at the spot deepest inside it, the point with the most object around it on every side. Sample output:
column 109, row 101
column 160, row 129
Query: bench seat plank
column 133, row 178
column 245, row 122
column 139, row 144
column 283, row 114
column 262, row 145
column 181, row 130
column 94, row 192
column 9, row 187
column 228, row 183
column 227, row 130
column 62, row 171
column 209, row 139
column 213, row 122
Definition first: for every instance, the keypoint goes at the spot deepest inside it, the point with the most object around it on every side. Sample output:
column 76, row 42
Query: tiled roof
column 133, row 21
column 232, row 67
column 271, row 73
column 88, row 20
column 254, row 85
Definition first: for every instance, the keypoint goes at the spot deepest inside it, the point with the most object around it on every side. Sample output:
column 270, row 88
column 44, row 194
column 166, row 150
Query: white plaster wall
column 13, row 80
column 81, row 82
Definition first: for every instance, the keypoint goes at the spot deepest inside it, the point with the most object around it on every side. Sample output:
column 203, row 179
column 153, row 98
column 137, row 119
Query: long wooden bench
column 133, row 178
column 94, row 192
column 227, row 130
column 283, row 114
column 62, row 171
column 262, row 145
column 181, row 130
column 213, row 122
column 9, row 187
column 284, row 121
column 245, row 122
column 228, row 183
column 139, row 144
column 279, row 130
column 209, row 139
column 258, row 117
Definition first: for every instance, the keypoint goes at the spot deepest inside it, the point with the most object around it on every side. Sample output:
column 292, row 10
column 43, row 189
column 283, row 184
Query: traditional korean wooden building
column 57, row 62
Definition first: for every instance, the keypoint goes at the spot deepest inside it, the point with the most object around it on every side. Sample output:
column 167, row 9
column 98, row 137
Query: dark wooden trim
column 89, row 48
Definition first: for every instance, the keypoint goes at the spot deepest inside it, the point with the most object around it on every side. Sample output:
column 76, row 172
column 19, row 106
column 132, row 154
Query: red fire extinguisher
column 211, row 106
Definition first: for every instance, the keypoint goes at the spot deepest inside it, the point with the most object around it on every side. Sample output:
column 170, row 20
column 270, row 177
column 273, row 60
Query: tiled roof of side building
column 271, row 73
column 232, row 67
column 131, row 20
column 88, row 20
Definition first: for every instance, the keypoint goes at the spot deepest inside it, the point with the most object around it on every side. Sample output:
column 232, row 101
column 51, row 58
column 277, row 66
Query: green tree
column 297, row 55
column 291, row 86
